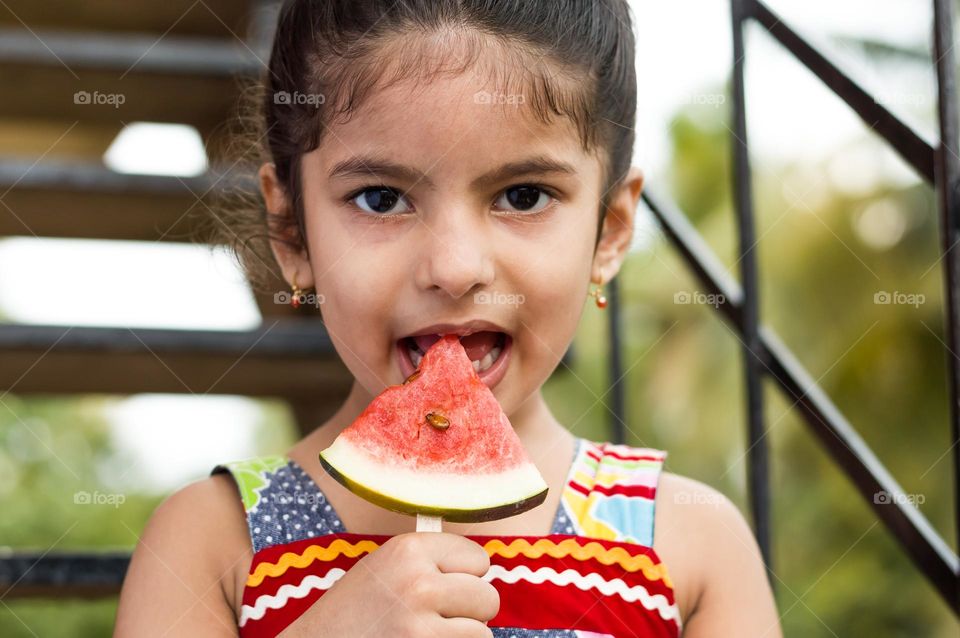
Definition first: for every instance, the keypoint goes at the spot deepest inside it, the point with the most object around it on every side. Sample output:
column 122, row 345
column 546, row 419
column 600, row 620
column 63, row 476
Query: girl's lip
column 491, row 376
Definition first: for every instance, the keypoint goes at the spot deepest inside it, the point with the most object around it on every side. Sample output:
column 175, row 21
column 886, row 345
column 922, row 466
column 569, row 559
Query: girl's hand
column 416, row 584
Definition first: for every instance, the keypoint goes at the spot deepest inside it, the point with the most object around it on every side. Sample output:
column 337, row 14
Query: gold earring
column 297, row 293
column 598, row 295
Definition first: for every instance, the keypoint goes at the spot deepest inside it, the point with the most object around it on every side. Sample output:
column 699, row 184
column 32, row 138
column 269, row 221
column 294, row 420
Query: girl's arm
column 728, row 593
column 180, row 579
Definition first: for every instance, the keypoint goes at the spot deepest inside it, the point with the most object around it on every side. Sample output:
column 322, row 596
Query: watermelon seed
column 438, row 421
column 412, row 377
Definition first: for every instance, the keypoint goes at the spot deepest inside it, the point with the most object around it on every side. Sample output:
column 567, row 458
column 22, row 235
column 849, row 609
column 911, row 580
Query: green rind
column 448, row 514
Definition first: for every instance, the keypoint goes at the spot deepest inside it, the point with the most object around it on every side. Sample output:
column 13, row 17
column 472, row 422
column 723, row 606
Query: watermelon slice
column 437, row 445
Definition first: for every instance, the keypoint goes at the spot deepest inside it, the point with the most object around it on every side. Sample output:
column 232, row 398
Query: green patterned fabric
column 250, row 475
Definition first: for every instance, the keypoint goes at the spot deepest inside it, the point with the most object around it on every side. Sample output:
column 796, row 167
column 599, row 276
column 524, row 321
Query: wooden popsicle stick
column 429, row 523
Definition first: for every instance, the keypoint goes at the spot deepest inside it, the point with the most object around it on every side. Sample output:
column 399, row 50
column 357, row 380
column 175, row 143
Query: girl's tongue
column 477, row 345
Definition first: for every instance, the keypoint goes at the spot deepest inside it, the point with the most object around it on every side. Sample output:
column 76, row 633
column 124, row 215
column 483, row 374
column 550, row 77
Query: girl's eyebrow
column 377, row 166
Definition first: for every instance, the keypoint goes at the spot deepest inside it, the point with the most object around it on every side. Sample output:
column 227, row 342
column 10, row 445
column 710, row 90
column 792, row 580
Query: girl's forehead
column 450, row 121
column 445, row 85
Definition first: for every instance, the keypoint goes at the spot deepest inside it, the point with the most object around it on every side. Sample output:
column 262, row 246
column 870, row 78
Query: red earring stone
column 601, row 301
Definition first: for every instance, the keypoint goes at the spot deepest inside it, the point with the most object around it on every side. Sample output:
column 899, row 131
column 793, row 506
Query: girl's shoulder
column 708, row 544
column 195, row 541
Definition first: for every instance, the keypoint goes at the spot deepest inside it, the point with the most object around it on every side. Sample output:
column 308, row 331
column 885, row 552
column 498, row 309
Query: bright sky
column 684, row 53
column 164, row 440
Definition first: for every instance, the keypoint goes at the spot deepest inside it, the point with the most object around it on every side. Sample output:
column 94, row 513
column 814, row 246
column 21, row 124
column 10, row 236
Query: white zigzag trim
column 286, row 592
column 655, row 602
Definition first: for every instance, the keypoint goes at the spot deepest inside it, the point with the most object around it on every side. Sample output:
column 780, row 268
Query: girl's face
column 450, row 204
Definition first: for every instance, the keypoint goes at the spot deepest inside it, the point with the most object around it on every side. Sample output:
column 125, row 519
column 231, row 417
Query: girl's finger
column 467, row 596
column 454, row 553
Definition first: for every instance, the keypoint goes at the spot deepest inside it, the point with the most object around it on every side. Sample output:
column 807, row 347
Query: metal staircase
column 179, row 61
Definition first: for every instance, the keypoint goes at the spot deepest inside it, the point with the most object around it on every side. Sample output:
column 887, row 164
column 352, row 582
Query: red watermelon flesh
column 439, row 444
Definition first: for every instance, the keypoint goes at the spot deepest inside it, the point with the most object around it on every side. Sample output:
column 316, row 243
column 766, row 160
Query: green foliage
column 52, row 452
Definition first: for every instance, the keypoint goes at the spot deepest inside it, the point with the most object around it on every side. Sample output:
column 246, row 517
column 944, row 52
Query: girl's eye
column 378, row 201
column 526, row 198
column 382, row 201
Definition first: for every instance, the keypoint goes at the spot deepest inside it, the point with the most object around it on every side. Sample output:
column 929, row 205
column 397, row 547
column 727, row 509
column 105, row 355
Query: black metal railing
column 765, row 356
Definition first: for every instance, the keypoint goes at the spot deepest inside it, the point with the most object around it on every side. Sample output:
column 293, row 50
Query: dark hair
column 568, row 58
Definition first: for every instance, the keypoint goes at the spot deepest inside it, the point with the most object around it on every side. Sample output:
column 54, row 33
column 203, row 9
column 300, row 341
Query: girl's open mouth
column 488, row 351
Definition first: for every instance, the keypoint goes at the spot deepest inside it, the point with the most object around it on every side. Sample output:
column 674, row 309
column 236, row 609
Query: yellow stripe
column 570, row 547
column 567, row 547
column 595, row 528
column 607, row 479
column 314, row 552
column 583, row 478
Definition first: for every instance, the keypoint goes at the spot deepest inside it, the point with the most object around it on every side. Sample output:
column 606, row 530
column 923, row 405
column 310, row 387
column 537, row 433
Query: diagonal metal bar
column 919, row 540
column 908, row 143
column 758, row 455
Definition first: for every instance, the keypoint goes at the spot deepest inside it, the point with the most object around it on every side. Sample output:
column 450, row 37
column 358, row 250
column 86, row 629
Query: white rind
column 446, row 490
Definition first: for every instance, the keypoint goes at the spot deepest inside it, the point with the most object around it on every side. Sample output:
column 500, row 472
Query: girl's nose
column 457, row 255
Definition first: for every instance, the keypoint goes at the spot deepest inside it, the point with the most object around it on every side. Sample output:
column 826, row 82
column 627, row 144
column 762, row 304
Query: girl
column 433, row 167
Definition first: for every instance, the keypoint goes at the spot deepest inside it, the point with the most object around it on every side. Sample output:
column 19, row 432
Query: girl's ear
column 617, row 232
column 293, row 262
